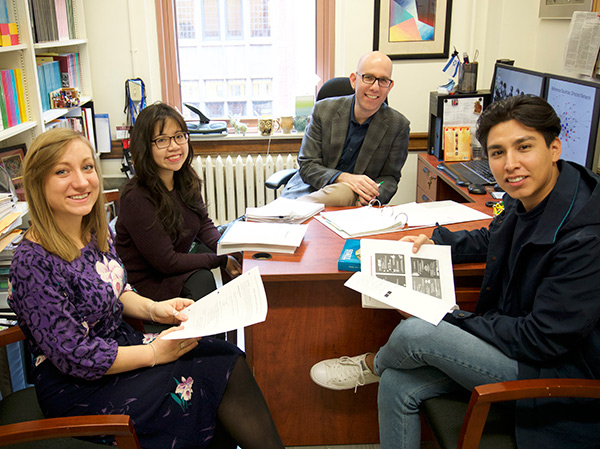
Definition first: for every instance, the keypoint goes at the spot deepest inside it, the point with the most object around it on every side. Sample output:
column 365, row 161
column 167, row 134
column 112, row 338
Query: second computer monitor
column 509, row 81
column 577, row 104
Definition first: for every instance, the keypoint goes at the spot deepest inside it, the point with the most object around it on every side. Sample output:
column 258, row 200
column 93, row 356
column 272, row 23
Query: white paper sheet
column 420, row 284
column 240, row 303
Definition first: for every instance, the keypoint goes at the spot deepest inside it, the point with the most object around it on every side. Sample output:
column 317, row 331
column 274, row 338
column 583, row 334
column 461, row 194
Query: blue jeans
column 421, row 361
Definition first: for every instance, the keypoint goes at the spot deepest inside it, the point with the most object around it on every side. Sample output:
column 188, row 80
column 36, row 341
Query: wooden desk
column 434, row 185
column 311, row 317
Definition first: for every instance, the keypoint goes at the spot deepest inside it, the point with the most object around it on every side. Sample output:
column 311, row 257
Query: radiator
column 230, row 185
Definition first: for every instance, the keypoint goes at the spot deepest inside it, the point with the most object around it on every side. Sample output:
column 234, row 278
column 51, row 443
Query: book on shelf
column 284, row 210
column 87, row 118
column 20, row 94
column 349, row 259
column 4, row 18
column 62, row 23
column 3, row 109
column 268, row 237
column 12, row 98
column 393, row 277
column 368, row 220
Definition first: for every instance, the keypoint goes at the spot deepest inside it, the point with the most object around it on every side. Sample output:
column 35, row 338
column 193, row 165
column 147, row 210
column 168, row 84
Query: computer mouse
column 476, row 189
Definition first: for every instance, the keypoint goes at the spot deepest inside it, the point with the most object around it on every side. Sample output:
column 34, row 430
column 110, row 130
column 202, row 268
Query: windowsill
column 248, row 136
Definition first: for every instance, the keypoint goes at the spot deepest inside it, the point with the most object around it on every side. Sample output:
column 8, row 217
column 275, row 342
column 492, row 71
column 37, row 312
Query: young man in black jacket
column 538, row 313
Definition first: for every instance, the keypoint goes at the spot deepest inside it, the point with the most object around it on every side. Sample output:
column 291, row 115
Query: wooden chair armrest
column 11, row 335
column 484, row 395
column 72, row 426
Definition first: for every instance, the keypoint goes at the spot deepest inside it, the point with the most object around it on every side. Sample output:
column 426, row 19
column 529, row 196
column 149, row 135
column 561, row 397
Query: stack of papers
column 284, row 210
column 269, row 237
column 364, row 221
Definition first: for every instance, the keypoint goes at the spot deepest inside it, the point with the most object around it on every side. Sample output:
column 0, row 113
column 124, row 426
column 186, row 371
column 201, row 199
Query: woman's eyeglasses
column 163, row 142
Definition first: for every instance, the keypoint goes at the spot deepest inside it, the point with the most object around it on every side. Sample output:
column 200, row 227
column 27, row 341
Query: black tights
column 243, row 416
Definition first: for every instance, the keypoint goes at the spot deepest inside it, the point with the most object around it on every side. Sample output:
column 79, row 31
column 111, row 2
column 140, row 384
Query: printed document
column 393, row 277
column 239, row 303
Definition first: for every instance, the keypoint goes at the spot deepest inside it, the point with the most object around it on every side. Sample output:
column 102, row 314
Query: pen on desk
column 379, row 183
column 465, row 57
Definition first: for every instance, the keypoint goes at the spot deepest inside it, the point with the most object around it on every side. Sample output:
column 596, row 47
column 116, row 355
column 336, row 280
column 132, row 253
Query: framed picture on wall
column 11, row 158
column 563, row 9
column 412, row 29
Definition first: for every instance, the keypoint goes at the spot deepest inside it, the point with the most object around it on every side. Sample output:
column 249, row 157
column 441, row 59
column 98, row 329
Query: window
column 246, row 56
column 236, row 88
column 210, row 19
column 259, row 18
column 186, row 28
column 234, row 19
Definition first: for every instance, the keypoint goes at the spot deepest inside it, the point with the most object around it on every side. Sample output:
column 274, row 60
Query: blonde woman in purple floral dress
column 69, row 290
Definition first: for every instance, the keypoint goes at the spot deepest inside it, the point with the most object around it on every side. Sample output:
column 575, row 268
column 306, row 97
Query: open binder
column 370, row 220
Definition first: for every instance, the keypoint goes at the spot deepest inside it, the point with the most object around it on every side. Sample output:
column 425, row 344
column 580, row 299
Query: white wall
column 127, row 48
column 122, row 43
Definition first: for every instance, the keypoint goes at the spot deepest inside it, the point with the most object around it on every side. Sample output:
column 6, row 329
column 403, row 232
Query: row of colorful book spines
column 52, row 20
column 69, row 67
column 12, row 98
column 9, row 34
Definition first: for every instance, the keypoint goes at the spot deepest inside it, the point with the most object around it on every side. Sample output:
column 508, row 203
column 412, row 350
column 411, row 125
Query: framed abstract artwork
column 11, row 158
column 412, row 29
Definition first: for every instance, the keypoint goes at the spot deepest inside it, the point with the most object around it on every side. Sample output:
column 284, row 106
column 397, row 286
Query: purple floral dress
column 72, row 317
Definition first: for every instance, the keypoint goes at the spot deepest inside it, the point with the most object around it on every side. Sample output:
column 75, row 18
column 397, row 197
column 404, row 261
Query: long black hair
column 186, row 181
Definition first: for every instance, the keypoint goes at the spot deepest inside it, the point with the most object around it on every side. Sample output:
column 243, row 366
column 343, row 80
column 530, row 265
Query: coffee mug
column 267, row 126
column 300, row 123
column 287, row 123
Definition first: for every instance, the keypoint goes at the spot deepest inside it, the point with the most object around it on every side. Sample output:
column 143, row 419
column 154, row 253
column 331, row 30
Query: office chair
column 335, row 87
column 22, row 422
column 458, row 422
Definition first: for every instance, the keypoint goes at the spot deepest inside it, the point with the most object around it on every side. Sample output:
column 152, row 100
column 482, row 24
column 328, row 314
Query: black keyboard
column 469, row 172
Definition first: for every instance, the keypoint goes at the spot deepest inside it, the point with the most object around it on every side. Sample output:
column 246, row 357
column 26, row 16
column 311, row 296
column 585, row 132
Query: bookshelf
column 23, row 57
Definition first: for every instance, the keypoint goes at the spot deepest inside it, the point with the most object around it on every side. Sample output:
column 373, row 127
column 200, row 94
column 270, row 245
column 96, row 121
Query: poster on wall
column 412, row 29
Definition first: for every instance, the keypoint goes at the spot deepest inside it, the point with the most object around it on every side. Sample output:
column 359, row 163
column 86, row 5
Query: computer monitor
column 577, row 104
column 509, row 81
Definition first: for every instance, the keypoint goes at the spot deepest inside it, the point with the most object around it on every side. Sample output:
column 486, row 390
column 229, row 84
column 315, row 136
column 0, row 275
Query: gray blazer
column 381, row 156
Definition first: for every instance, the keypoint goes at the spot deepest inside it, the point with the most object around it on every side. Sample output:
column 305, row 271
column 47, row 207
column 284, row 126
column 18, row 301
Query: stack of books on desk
column 267, row 237
column 284, row 210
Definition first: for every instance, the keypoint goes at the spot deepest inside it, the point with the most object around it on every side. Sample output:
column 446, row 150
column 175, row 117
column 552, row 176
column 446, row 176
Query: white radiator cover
column 230, row 185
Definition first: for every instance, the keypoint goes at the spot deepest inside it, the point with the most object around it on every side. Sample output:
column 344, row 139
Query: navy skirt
column 171, row 406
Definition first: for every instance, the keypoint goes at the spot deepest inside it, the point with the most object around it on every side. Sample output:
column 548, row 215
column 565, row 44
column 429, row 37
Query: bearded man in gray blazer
column 354, row 147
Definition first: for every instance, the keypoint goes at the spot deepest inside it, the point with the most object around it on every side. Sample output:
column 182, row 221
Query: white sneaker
column 343, row 373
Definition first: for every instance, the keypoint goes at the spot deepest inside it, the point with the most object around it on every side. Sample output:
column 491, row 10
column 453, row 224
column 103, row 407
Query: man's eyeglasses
column 163, row 142
column 370, row 79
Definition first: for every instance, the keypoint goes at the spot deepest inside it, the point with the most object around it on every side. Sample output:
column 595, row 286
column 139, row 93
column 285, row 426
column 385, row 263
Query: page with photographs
column 393, row 277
